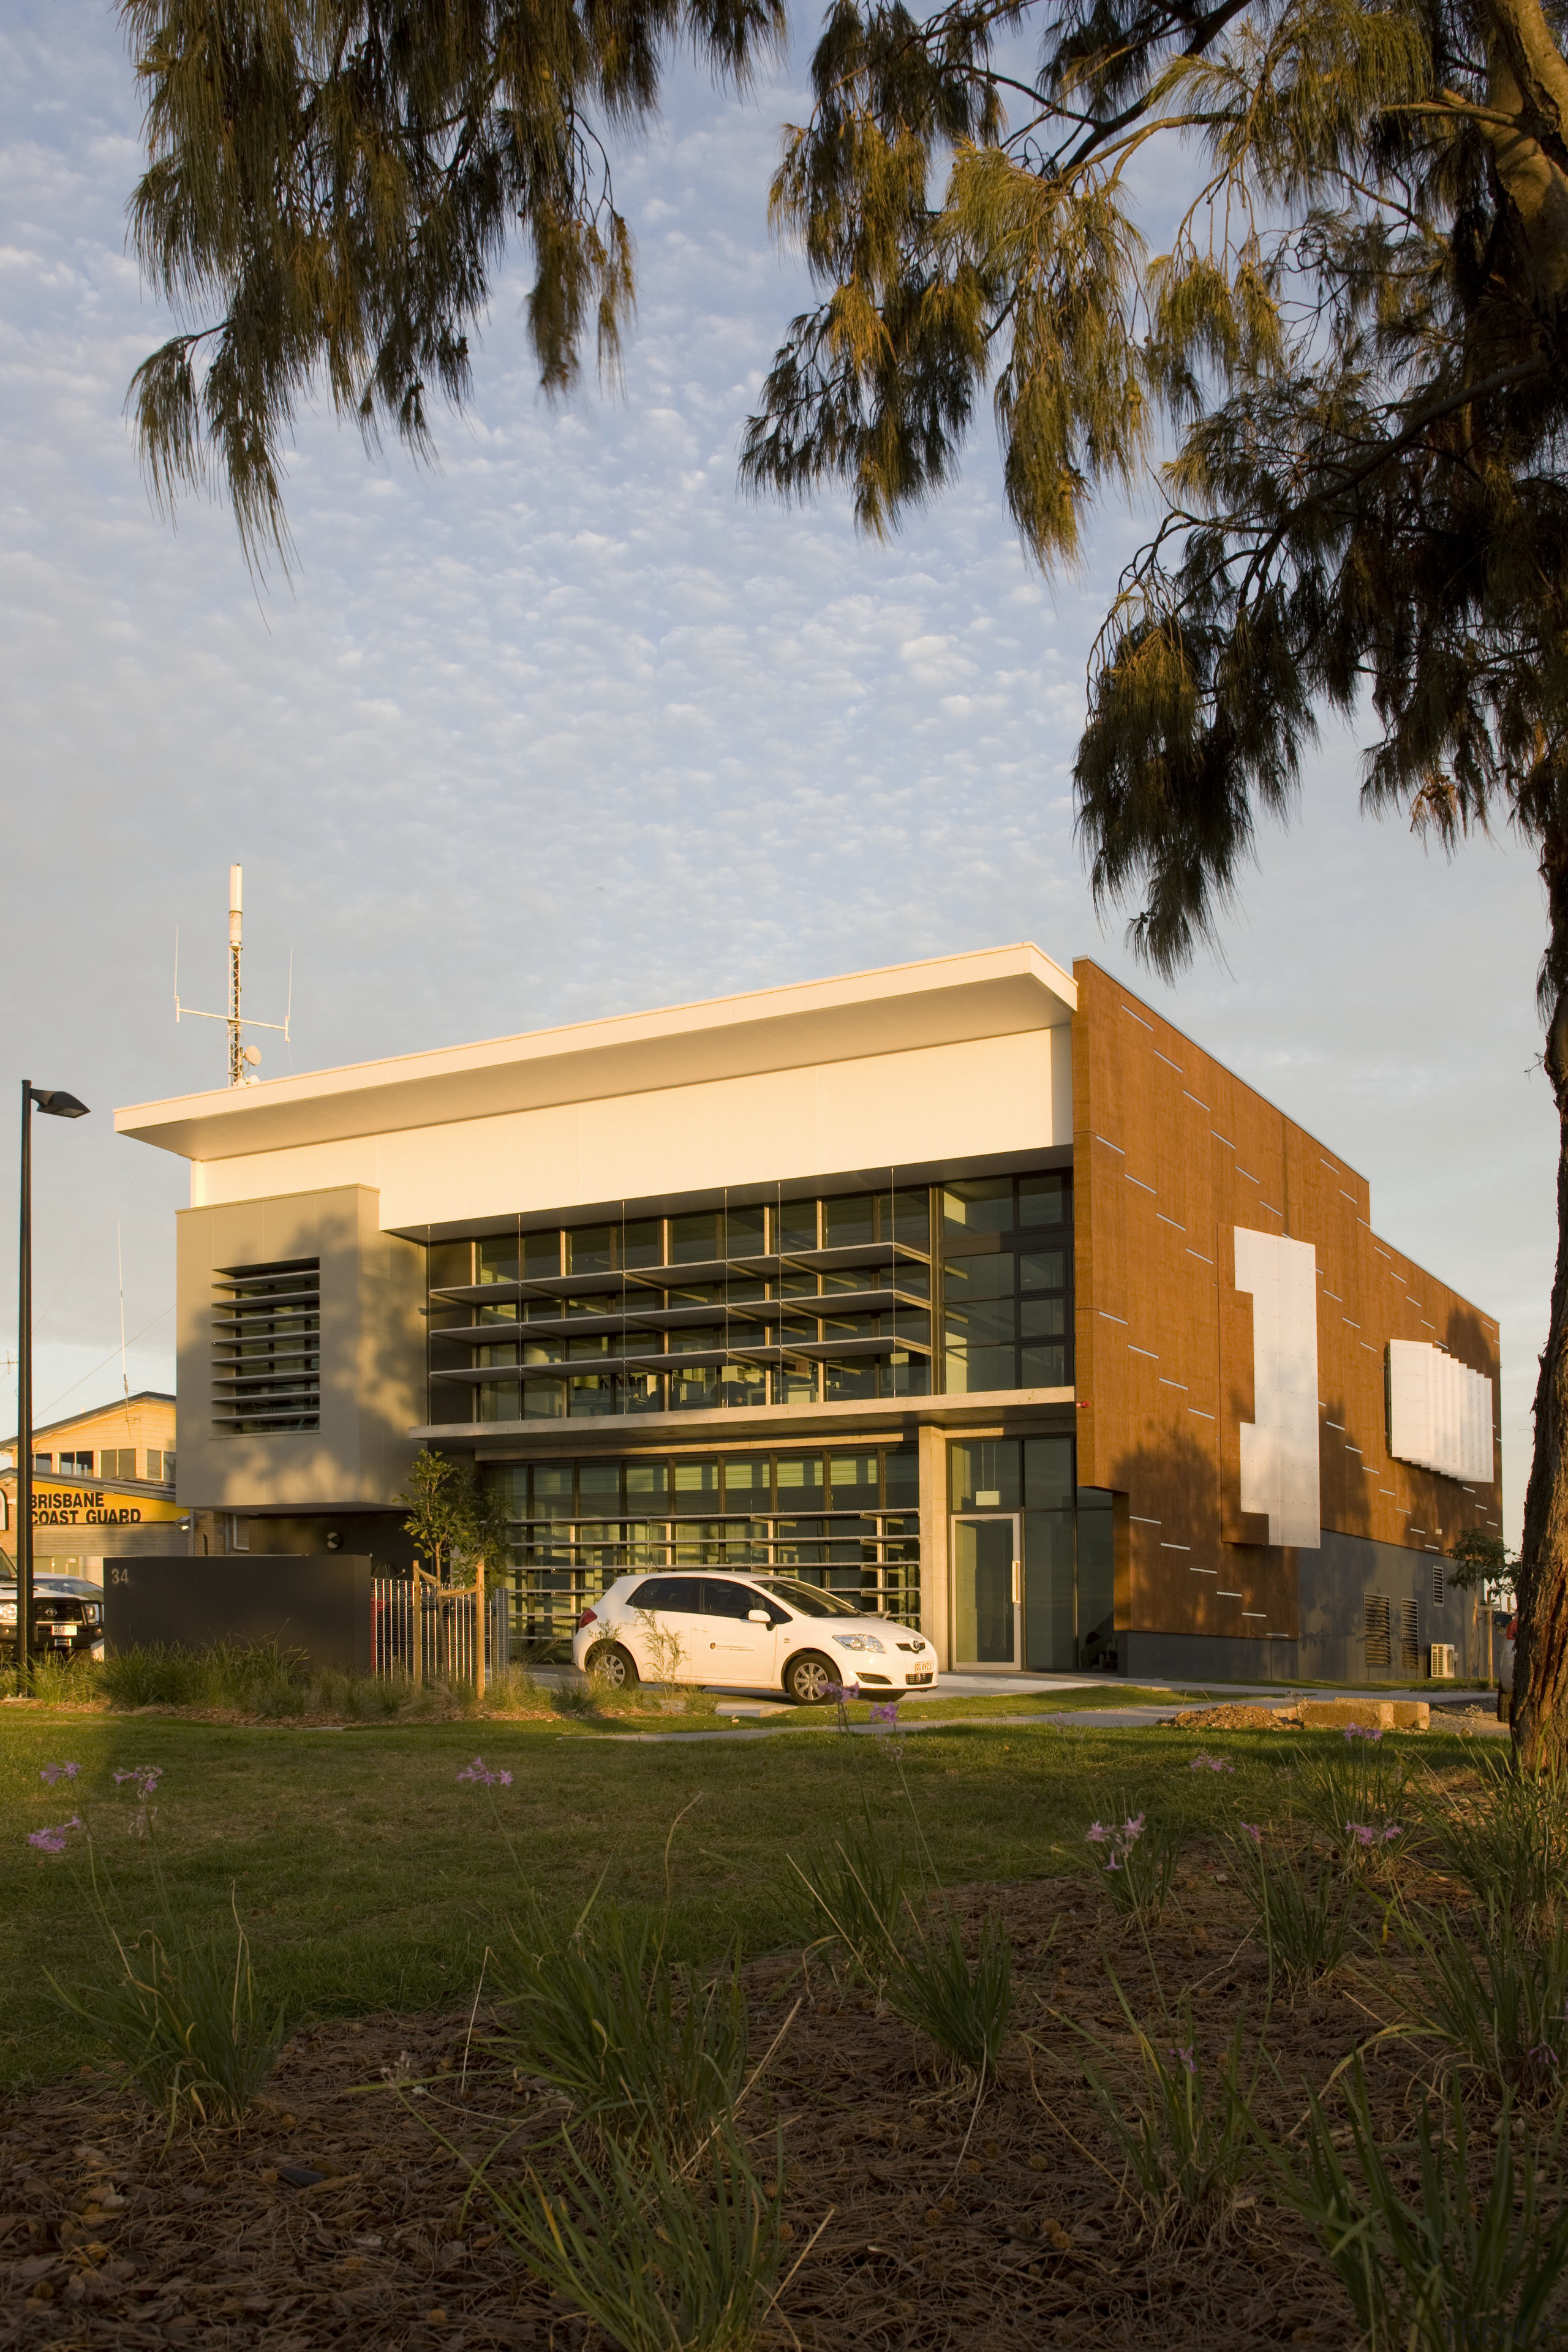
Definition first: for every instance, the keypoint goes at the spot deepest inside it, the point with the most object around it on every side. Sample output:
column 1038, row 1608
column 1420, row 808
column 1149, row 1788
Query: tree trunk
column 1541, row 1664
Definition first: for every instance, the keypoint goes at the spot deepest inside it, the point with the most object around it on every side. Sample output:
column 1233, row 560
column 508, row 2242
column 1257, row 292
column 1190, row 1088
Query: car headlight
column 859, row 1641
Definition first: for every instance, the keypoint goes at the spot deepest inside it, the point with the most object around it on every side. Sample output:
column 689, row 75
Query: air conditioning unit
column 1445, row 1662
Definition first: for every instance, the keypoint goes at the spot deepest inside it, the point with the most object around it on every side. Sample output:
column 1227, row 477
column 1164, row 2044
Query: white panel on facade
column 1279, row 1445
column 1439, row 1412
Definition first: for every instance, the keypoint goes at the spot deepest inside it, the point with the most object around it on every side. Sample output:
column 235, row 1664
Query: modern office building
column 971, row 1287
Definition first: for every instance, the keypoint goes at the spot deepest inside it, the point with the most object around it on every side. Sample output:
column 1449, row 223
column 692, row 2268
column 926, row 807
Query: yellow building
column 103, row 1485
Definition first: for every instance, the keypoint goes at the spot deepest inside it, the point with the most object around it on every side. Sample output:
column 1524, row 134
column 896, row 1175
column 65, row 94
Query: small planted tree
column 460, row 1524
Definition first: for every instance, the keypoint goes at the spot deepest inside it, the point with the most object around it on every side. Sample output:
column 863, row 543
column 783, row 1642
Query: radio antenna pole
column 242, row 1058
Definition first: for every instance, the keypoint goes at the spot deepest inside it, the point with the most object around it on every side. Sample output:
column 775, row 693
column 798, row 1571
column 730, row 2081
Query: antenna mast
column 243, row 1059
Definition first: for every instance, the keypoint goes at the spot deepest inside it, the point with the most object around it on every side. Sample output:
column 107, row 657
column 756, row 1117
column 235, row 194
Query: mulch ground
column 1023, row 2239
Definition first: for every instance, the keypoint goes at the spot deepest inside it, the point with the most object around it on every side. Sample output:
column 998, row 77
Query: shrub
column 1355, row 1791
column 1459, row 2266
column 1508, row 1844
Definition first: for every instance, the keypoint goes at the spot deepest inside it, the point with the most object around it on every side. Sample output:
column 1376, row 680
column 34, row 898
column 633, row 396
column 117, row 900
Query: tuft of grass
column 1133, row 1861
column 1304, row 1910
column 662, row 2258
column 1495, row 1997
column 862, row 1888
column 648, row 2053
column 182, row 2018
column 1356, row 1784
column 1463, row 2264
column 1508, row 1843
column 964, row 2007
column 1188, row 2142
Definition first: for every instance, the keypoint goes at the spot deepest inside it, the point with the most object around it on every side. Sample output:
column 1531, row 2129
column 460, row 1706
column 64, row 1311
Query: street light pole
column 59, row 1106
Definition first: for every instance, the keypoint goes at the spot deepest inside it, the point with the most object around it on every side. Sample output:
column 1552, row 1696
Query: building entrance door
column 987, row 1590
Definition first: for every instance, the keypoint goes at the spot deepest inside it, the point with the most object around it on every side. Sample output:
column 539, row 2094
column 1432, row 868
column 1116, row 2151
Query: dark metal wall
column 320, row 1604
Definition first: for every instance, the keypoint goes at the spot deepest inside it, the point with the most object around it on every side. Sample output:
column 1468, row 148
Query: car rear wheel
column 614, row 1665
column 809, row 1678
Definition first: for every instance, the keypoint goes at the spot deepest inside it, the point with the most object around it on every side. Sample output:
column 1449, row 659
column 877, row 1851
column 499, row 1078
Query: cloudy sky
column 565, row 728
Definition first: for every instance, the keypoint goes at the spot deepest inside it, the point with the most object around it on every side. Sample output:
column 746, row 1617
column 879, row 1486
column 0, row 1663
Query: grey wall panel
column 320, row 1605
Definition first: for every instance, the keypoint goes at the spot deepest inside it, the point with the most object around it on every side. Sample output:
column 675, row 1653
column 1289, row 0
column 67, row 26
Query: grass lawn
column 368, row 1877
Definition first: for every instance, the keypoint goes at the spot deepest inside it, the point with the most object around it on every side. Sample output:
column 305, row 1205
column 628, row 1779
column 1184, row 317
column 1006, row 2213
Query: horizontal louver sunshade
column 266, row 1349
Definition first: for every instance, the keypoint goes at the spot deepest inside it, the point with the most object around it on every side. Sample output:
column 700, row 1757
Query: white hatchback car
column 762, row 1632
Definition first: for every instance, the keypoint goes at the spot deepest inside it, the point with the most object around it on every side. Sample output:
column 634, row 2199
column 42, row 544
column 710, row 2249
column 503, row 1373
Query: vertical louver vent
column 266, row 1342
column 1409, row 1637
column 1377, row 1629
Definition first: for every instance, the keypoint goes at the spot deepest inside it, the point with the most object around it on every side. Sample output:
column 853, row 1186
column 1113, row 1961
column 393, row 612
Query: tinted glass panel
column 1043, row 1318
column 1043, row 1270
column 696, row 1486
column 985, row 1475
column 1048, row 1473
column 451, row 1263
column 985, row 1205
column 910, row 1219
column 988, row 1276
column 1096, row 1579
column 848, row 1222
column 747, row 1232
column 599, row 1488
column 1042, row 1199
column 643, row 1243
column 800, row 1481
column 675, row 1593
column 798, row 1225
column 552, row 1490
column 722, row 1599
column 748, row 1482
column 693, row 1239
column 903, row 1477
column 1044, row 1368
column 647, row 1483
column 541, row 1256
column 854, row 1481
column 590, row 1249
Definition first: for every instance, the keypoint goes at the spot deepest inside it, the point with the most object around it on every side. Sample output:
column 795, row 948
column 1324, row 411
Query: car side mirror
column 758, row 1617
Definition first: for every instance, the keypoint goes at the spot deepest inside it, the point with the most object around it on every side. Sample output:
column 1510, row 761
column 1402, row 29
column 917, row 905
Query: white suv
column 759, row 1632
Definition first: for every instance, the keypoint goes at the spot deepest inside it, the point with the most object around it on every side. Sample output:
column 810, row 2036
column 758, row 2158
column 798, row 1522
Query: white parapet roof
column 949, row 1000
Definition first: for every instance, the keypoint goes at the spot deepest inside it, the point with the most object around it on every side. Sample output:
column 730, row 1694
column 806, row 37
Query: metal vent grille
column 266, row 1343
column 1379, row 1611
column 1409, row 1637
column 1438, row 1588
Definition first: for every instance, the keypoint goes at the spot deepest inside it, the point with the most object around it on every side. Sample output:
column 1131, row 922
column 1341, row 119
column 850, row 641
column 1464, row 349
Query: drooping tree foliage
column 1342, row 362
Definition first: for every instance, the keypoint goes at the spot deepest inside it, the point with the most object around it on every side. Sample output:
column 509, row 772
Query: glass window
column 748, row 1482
column 1043, row 1270
column 857, row 1378
column 1043, row 1199
column 798, row 1225
column 796, row 1384
column 903, row 1478
column 1044, row 1368
column 984, row 1475
column 722, row 1599
column 590, row 1249
column 983, row 1205
column 1048, row 1474
column 552, row 1490
column 647, row 1485
column 809, row 1599
column 1096, row 1643
column 593, row 1397
column 643, row 1242
column 696, row 1486
column 741, row 1385
column 906, row 1375
column 850, row 1222
column 643, row 1392
column 854, row 1481
column 747, row 1234
column 541, row 1255
column 498, row 1258
column 991, row 1274
column 694, row 1391
column 911, row 1218
column 450, row 1265
column 682, row 1593
column 599, row 1489
column 1043, row 1318
column 499, row 1400
column 800, row 1482
column 694, row 1239
column 544, row 1399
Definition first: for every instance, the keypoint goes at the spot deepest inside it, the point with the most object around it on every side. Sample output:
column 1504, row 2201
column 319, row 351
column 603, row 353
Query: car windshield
column 809, row 1599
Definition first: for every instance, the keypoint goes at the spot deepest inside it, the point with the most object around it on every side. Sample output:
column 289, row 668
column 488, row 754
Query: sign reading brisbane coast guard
column 93, row 1507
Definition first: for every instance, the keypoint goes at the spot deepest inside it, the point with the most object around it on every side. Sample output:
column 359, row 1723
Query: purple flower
column 1187, row 2055
column 887, row 1713
column 1097, row 1833
column 1365, row 1835
column 1364, row 1732
column 1134, row 1830
column 477, row 1772
column 1210, row 1764
column 53, row 1841
column 145, row 1776
column 1541, row 2056
column 1253, row 1831
column 53, row 1772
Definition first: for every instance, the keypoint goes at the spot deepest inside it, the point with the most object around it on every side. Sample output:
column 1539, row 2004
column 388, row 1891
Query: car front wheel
column 614, row 1665
column 809, row 1679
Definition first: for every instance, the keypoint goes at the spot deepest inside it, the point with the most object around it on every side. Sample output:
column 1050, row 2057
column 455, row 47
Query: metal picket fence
column 429, row 1632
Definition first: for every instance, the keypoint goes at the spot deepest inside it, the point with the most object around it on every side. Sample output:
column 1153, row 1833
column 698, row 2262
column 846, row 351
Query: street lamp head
column 59, row 1104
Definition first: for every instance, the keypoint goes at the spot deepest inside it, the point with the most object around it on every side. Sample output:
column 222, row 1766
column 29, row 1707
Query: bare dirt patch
column 1025, row 2238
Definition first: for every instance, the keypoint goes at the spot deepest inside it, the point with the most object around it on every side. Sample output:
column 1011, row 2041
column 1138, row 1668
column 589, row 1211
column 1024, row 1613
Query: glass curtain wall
column 849, row 1521
column 1069, row 1584
column 789, row 1302
column 1006, row 1282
